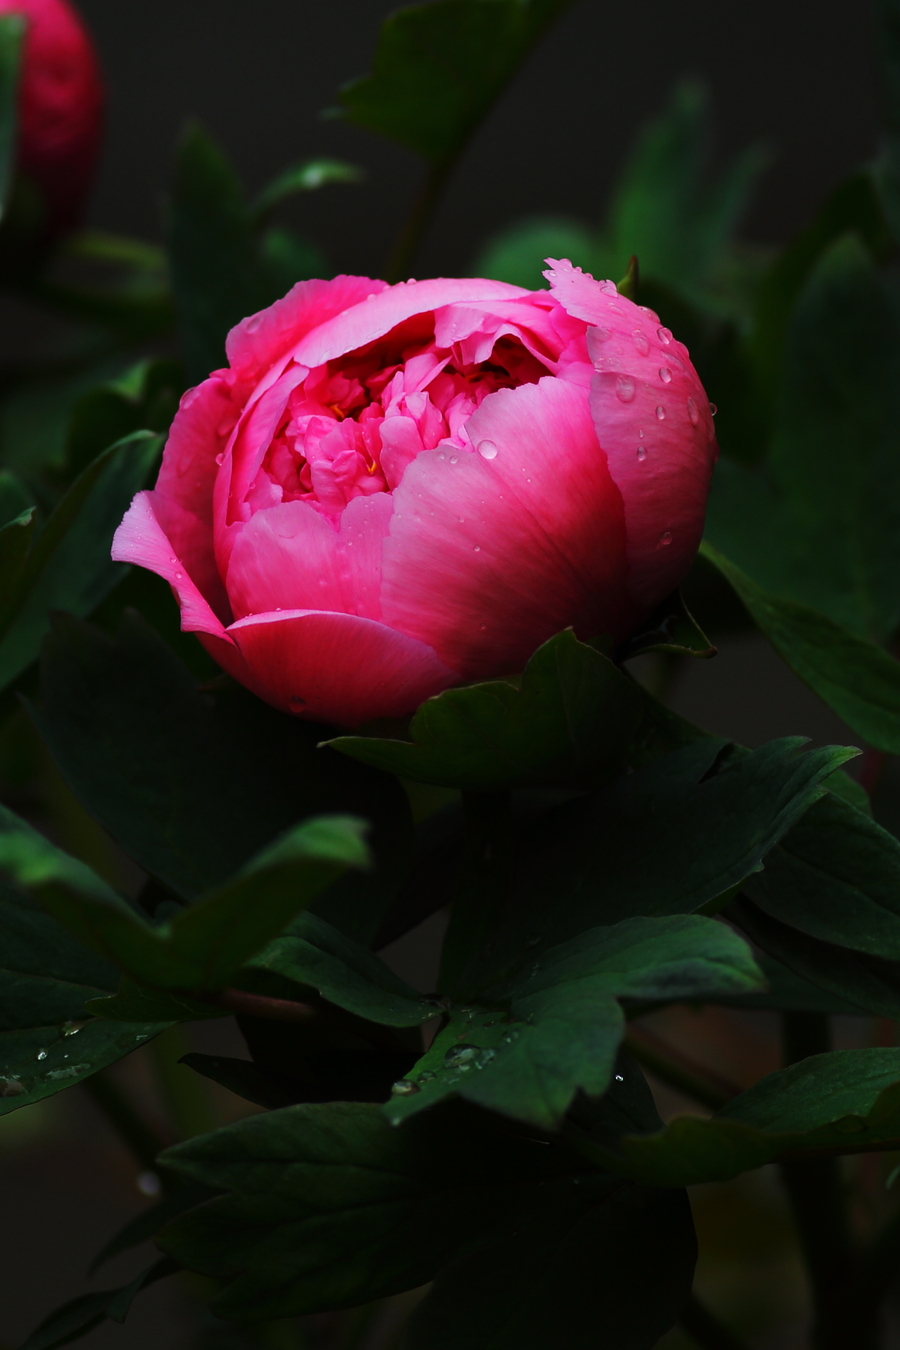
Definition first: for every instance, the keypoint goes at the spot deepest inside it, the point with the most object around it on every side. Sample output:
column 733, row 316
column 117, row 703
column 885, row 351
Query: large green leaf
column 556, row 1025
column 193, row 782
column 571, row 721
column 330, row 1207
column 69, row 567
column 853, row 676
column 438, row 68
column 844, row 1101
column 820, row 523
column 204, row 945
column 46, row 1041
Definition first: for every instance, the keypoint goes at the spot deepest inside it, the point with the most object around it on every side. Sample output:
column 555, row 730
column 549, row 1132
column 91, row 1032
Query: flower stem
column 408, row 241
column 132, row 1129
column 703, row 1328
column 679, row 1072
column 484, row 883
column 183, row 1091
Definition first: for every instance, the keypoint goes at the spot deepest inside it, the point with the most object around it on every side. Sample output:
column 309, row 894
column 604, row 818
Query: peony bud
column 60, row 109
column 392, row 490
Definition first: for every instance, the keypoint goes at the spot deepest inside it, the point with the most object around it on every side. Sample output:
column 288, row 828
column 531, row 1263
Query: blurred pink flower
column 396, row 489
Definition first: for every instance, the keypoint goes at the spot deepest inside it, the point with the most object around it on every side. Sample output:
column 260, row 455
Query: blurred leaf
column 854, row 677
column 517, row 254
column 844, row 1101
column 12, row 33
column 193, row 782
column 141, row 1228
column 820, row 525
column 670, row 628
column 15, row 545
column 788, row 992
column 202, row 946
column 81, row 1315
column 571, row 721
column 69, row 567
column 438, row 68
column 144, row 398
column 311, row 952
column 555, row 1026
column 45, row 1042
column 314, row 173
column 330, row 1207
column 15, row 499
column 675, row 836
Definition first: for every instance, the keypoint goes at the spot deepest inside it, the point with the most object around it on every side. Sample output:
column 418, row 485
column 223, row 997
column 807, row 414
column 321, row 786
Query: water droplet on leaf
column 404, row 1087
column 460, row 1055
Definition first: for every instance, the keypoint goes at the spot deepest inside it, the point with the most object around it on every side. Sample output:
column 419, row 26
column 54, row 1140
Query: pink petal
column 141, row 540
column 371, row 319
column 331, row 667
column 262, row 339
column 580, row 295
column 488, row 557
column 291, row 557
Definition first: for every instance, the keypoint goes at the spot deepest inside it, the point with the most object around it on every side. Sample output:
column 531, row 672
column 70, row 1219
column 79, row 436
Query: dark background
column 794, row 74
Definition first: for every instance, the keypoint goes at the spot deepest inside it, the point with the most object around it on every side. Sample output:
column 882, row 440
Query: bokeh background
column 797, row 78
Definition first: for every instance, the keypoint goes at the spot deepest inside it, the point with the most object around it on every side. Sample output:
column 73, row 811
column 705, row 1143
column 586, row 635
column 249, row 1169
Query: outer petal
column 489, row 556
column 292, row 557
column 141, row 539
column 331, row 667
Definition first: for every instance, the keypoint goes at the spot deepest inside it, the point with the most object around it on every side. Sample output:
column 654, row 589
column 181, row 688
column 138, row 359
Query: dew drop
column 642, row 452
column 660, row 411
column 625, row 388
column 426, row 1076
column 404, row 1087
column 459, row 1056
column 620, row 1078
column 454, row 459
column 477, row 548
column 482, row 627
column 713, row 409
column 71, row 1028
column 148, row 1183
column 640, row 341
column 487, row 449
column 665, row 538
column 179, row 576
column 600, row 334
column 664, row 335
column 13, row 1088
column 665, row 374
column 220, row 458
column 370, row 297
column 296, row 701
column 42, row 1054
column 485, row 1058
column 693, row 412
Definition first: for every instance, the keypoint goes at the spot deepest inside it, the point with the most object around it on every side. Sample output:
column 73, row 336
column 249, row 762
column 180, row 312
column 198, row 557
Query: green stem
column 132, row 1129
column 484, row 884
column 703, row 1328
column 816, row 1192
column 183, row 1091
column 680, row 1073
column 424, row 206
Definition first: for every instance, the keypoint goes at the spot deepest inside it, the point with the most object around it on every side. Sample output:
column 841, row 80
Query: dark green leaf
column 46, row 977
column 311, row 952
column 571, row 722
column 555, row 1026
column 144, row 398
column 331, row 1207
column 671, row 628
column 616, row 1275
column 142, row 1228
column 15, row 499
column 69, row 567
column 843, row 1101
column 81, row 1315
column 854, row 677
column 438, row 68
column 193, row 782
column 315, row 173
column 12, row 32
column 15, row 544
column 788, row 992
column 518, row 254
column 202, row 946
column 821, row 524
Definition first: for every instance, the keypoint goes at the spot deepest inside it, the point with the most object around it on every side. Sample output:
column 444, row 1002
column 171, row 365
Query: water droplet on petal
column 660, row 412
column 459, row 1055
column 642, row 452
column 370, row 297
column 693, row 412
column 179, row 576
column 220, row 458
column 404, row 1087
column 665, row 538
column 477, row 548
column 713, row 409
column 454, row 459
column 665, row 374
column 254, row 323
column 296, row 701
column 664, row 335
column 487, row 449
column 639, row 339
column 625, row 388
column 600, row 334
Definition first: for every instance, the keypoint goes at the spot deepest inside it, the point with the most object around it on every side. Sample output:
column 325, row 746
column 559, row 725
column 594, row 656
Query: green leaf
column 45, row 1042
column 306, row 177
column 193, row 782
column 854, row 677
column 203, row 946
column 556, row 1025
column 617, row 1276
column 788, row 992
column 15, row 499
column 330, row 1207
column 311, row 952
column 517, row 254
column 670, row 628
column 845, row 1101
column 12, row 33
column 69, row 566
column 15, row 545
column 835, row 876
column 570, row 722
column 820, row 524
column 438, row 68
column 81, row 1315
column 144, row 398
column 669, row 839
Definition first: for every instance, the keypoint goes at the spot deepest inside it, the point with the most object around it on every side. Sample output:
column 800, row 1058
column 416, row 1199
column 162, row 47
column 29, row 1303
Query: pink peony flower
column 60, row 108
column 395, row 489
